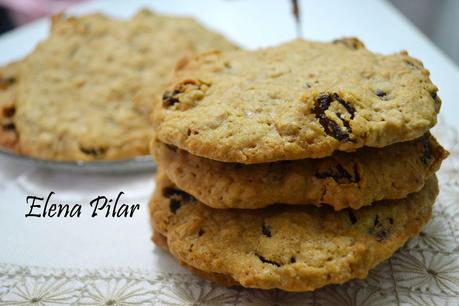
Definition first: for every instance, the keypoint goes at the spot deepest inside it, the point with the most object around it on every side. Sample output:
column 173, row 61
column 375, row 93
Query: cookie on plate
column 9, row 79
column 302, row 99
column 86, row 91
column 342, row 180
column 294, row 248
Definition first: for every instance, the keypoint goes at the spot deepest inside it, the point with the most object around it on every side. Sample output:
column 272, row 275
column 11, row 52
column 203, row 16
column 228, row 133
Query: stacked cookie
column 296, row 166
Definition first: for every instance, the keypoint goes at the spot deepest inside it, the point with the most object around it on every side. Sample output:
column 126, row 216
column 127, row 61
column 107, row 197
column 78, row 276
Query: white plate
column 136, row 164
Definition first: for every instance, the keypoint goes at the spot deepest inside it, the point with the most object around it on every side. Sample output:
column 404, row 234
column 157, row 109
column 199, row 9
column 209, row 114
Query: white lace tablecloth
column 111, row 261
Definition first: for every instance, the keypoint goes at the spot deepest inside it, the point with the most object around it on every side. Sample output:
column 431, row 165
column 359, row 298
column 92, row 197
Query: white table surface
column 106, row 243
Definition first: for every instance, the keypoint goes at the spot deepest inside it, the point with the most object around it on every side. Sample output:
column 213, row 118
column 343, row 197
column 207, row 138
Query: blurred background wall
column 437, row 19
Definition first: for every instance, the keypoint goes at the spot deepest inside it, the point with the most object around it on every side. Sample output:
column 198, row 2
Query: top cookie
column 299, row 100
column 85, row 92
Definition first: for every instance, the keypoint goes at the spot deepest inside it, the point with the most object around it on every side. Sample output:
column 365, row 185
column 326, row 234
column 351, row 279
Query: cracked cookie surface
column 298, row 100
column 341, row 180
column 86, row 92
column 294, row 248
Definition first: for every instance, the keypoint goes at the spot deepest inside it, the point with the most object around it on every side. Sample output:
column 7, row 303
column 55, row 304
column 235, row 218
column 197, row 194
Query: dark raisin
column 169, row 98
column 172, row 147
column 381, row 228
column 9, row 126
column 292, row 259
column 427, row 153
column 381, row 93
column 96, row 152
column 376, row 221
column 264, row 260
column 9, row 111
column 381, row 234
column 435, row 96
column 266, row 230
column 201, row 232
column 332, row 128
column 176, row 198
column 346, row 105
column 323, row 103
column 337, row 173
column 7, row 82
column 170, row 193
column 190, row 132
column 356, row 174
column 174, row 205
column 345, row 122
column 351, row 216
column 340, row 175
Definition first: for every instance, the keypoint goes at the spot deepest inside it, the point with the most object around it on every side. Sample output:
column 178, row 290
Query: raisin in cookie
column 294, row 248
column 9, row 79
column 86, row 91
column 341, row 180
column 302, row 99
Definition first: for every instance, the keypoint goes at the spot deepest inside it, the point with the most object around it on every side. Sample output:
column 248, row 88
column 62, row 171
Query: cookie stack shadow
column 274, row 171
